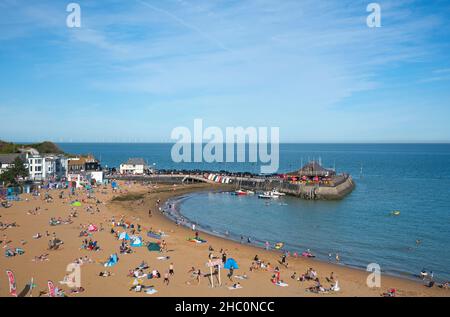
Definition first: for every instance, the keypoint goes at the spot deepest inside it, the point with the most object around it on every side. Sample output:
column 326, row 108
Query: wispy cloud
column 247, row 56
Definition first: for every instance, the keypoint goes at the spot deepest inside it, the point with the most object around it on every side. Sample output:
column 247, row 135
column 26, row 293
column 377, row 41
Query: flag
column 12, row 283
column 51, row 289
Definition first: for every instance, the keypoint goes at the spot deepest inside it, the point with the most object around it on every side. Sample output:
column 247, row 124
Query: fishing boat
column 240, row 192
column 276, row 192
column 268, row 195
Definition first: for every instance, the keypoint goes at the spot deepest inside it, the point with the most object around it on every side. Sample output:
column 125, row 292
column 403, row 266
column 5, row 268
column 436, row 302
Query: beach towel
column 235, row 287
column 153, row 247
column 154, row 235
column 163, row 258
column 92, row 228
column 335, row 287
column 241, row 277
column 281, row 284
column 150, row 291
column 198, row 240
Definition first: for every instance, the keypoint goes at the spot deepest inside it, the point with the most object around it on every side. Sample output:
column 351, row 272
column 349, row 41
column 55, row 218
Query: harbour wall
column 341, row 186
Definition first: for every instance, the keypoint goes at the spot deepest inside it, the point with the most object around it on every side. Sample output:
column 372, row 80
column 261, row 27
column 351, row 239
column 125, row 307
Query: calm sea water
column 411, row 178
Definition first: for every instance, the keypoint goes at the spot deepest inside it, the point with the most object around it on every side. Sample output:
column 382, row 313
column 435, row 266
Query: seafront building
column 134, row 166
column 7, row 161
column 48, row 167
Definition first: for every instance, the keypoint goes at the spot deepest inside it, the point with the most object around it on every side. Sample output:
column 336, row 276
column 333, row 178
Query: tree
column 11, row 175
column 19, row 169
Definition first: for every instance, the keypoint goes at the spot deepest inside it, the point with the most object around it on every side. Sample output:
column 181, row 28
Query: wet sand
column 183, row 254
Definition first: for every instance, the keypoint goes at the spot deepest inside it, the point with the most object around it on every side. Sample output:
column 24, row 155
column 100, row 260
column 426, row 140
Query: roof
column 313, row 168
column 81, row 160
column 8, row 158
column 136, row 161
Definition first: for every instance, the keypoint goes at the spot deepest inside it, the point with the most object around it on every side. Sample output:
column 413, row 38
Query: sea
column 413, row 179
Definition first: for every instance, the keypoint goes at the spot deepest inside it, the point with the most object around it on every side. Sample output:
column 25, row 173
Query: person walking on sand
column 199, row 275
column 267, row 245
column 171, row 271
column 230, row 274
column 149, row 213
column 166, row 278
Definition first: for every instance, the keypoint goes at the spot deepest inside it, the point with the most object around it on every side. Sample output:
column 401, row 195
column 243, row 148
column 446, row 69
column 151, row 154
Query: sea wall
column 309, row 192
column 342, row 186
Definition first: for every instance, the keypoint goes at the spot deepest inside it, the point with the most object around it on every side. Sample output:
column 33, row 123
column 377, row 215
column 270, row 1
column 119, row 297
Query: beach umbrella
column 231, row 264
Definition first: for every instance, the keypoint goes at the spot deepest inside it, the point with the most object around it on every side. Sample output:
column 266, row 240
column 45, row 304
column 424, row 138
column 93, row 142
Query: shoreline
column 301, row 261
column 178, row 200
column 183, row 253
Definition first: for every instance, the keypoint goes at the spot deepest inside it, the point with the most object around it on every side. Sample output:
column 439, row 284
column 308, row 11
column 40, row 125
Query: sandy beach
column 32, row 215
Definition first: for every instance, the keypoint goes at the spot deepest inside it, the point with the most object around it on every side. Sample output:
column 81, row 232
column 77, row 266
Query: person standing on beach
column 267, row 245
column 149, row 213
column 166, row 278
column 230, row 274
column 171, row 271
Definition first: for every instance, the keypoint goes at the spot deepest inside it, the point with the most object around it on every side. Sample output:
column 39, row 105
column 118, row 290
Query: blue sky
column 136, row 69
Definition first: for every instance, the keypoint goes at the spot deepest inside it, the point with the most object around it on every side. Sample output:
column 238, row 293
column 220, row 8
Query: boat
column 276, row 192
column 241, row 192
column 268, row 195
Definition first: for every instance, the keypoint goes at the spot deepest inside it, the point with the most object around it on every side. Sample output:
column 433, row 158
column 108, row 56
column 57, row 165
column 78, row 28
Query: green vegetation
column 12, row 175
column 43, row 147
column 129, row 197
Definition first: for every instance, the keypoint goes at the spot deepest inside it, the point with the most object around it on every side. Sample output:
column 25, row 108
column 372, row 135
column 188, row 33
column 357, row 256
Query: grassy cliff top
column 43, row 147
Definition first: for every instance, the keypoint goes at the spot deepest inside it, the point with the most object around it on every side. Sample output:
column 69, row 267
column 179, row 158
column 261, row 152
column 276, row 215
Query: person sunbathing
column 41, row 258
column 143, row 266
column 77, row 290
column 390, row 293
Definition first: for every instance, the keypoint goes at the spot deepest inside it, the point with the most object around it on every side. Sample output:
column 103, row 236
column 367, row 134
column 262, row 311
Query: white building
column 46, row 167
column 134, row 166
column 96, row 176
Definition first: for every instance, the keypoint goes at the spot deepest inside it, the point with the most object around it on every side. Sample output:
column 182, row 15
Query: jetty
column 311, row 182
